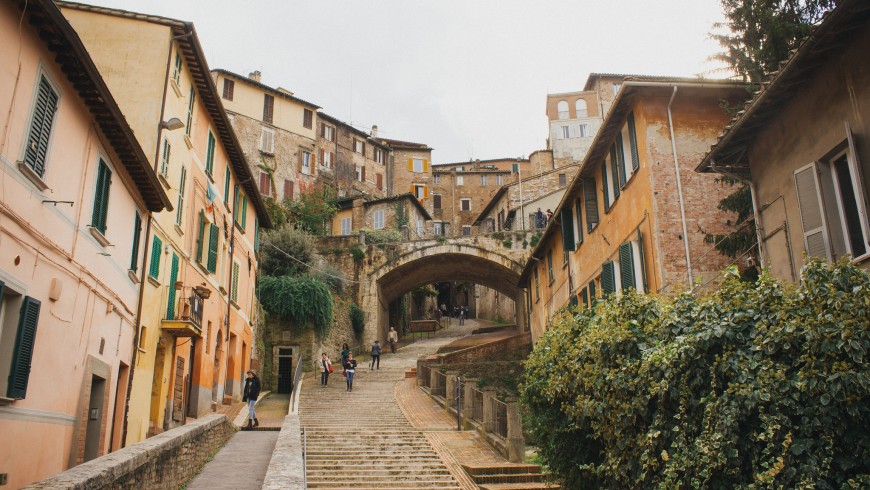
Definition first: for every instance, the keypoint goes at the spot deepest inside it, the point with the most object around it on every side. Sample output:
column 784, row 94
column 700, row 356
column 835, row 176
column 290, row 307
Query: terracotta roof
column 830, row 36
column 358, row 132
column 400, row 197
column 188, row 41
column 273, row 91
column 649, row 78
column 72, row 56
column 404, row 145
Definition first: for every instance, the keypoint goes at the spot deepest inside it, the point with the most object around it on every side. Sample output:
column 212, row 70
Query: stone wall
column 167, row 460
column 486, row 352
column 286, row 469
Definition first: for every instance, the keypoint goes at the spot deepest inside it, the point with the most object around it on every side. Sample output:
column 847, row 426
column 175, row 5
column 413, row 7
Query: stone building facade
column 574, row 119
column 353, row 160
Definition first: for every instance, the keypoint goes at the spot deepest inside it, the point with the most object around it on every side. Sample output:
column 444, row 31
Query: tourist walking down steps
column 350, row 369
column 252, row 392
column 376, row 355
column 325, row 368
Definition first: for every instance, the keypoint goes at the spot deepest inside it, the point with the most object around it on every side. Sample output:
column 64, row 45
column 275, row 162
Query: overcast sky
column 469, row 78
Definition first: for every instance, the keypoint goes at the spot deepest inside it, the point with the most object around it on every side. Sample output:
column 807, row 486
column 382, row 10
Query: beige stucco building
column 196, row 320
column 803, row 145
column 77, row 189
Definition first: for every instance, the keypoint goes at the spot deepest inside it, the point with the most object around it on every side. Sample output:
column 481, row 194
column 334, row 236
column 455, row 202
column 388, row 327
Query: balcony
column 185, row 320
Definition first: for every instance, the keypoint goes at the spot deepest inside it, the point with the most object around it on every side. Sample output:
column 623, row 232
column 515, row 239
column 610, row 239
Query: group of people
column 348, row 363
column 460, row 312
column 542, row 219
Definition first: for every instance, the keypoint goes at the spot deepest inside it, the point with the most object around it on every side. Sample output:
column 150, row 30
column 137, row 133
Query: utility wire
column 312, row 267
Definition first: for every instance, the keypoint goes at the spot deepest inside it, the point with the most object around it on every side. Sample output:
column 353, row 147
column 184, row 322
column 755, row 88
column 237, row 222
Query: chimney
column 374, row 131
column 255, row 76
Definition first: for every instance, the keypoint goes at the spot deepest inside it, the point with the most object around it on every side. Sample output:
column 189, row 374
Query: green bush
column 301, row 300
column 756, row 385
column 536, row 238
column 286, row 251
column 375, row 237
column 357, row 253
column 357, row 320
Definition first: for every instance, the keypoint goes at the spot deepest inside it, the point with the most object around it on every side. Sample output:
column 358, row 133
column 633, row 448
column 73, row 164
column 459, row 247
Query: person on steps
column 376, row 355
column 350, row 369
column 325, row 368
column 252, row 392
column 345, row 350
column 393, row 337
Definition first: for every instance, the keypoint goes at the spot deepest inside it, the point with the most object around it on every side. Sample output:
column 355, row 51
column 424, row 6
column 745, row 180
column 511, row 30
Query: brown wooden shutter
column 363, row 173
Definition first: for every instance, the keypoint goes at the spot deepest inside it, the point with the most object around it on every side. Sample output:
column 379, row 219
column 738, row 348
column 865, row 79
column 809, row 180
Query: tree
column 313, row 209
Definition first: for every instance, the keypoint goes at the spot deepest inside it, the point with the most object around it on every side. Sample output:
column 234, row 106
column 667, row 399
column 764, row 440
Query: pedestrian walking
column 549, row 215
column 345, row 351
column 350, row 369
column 462, row 316
column 325, row 368
column 376, row 355
column 539, row 218
column 252, row 392
column 393, row 337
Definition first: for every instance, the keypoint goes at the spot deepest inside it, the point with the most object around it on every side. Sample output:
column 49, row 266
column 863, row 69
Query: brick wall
column 167, row 460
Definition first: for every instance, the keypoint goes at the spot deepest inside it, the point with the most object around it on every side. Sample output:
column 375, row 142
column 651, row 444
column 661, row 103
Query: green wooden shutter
column 584, row 294
column 235, row 282
column 209, row 156
column 190, row 102
column 101, row 197
column 568, row 229
column 604, row 185
column 620, row 159
column 137, row 230
column 40, row 127
column 156, row 247
column 200, row 236
column 173, row 276
column 244, row 211
column 550, row 265
column 577, row 209
column 632, row 139
column 573, row 300
column 256, row 235
column 614, row 170
column 22, row 353
column 212, row 248
column 179, row 213
column 236, row 204
column 164, row 166
column 592, row 291
column 590, row 196
column 227, row 186
column 640, row 259
column 608, row 279
column 626, row 266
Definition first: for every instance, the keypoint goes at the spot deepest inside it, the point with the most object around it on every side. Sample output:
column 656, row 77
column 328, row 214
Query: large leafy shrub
column 286, row 251
column 357, row 320
column 301, row 300
column 758, row 385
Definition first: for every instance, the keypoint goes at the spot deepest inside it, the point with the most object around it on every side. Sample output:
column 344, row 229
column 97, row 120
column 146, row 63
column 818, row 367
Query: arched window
column 563, row 109
column 580, row 107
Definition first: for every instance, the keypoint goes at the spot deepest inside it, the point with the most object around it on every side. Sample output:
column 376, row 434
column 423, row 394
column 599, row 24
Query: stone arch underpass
column 396, row 270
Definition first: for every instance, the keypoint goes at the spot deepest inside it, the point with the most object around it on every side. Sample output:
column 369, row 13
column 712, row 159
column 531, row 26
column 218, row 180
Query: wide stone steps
column 509, row 477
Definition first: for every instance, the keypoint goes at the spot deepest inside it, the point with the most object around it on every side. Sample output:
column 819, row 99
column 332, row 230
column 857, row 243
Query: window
column 417, row 167
column 550, row 276
column 288, row 190
column 307, row 118
column 439, row 228
column 566, row 132
column 209, row 155
column 483, row 180
column 265, row 184
column 592, row 291
column 436, row 201
column 19, row 315
column 40, row 126
column 563, row 180
column 207, row 245
column 379, row 219
column 327, row 132
column 590, row 197
column 537, row 285
column 580, row 108
column 420, row 191
column 499, row 179
column 227, row 186
column 182, row 184
column 164, row 163
column 562, row 108
column 631, row 138
column 460, row 180
column 436, row 178
column 631, row 266
column 137, row 231
column 156, row 249
column 176, row 71
column 345, row 226
column 465, row 204
column 101, row 197
column 606, row 184
column 190, row 102
column 360, row 173
column 466, row 230
column 359, row 146
column 267, row 141
column 608, row 278
column 616, row 87
column 327, row 158
column 241, row 209
column 583, row 131
column 305, row 162
column 379, row 155
column 379, row 181
column 173, row 277
column 832, row 207
column 268, row 108
column 229, row 86
column 234, row 292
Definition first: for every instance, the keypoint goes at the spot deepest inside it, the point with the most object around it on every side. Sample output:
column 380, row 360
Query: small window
column 466, row 230
column 616, row 87
column 562, row 108
column 209, row 156
column 563, row 180
column 566, row 132
column 439, row 229
column 307, row 118
column 327, row 132
column 418, row 165
column 156, row 250
column 379, row 219
column 583, row 131
column 227, row 186
column 305, row 162
column 436, row 178
column 460, row 180
column 436, row 201
column 359, row 146
column 499, row 179
column 345, row 226
column 265, row 184
column 41, row 122
column 176, row 71
column 550, row 266
column 137, row 232
column 465, row 204
column 379, row 155
column 234, row 292
column 267, row 141
column 268, row 108
column 229, row 87
column 537, row 285
column 101, row 197
column 191, row 100
column 164, row 163
column 360, row 174
column 580, row 108
column 419, row 191
column 483, row 180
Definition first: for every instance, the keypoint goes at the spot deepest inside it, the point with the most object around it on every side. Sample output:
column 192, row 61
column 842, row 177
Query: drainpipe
column 520, row 179
column 680, row 188
column 756, row 214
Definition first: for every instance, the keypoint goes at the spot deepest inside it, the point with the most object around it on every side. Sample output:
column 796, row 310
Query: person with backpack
column 376, row 355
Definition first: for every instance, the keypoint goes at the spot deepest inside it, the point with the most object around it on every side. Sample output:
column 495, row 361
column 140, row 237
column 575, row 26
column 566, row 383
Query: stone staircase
column 362, row 440
column 509, row 477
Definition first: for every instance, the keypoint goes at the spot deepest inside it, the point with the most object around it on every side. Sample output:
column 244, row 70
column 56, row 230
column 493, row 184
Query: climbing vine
column 301, row 300
column 357, row 320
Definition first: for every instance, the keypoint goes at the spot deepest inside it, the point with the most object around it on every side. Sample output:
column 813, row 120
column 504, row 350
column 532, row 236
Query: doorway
column 95, row 417
column 285, row 370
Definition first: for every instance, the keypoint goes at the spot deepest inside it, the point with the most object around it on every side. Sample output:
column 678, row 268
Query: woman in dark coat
column 252, row 392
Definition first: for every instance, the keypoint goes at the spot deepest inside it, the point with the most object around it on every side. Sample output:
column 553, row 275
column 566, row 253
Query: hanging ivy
column 301, row 300
column 357, row 320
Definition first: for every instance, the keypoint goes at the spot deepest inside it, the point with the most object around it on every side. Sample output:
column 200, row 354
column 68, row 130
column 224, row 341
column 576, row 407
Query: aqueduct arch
column 394, row 271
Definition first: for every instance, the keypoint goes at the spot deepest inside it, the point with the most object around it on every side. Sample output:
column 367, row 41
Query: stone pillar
column 488, row 413
column 450, row 390
column 467, row 398
column 516, row 445
column 433, row 373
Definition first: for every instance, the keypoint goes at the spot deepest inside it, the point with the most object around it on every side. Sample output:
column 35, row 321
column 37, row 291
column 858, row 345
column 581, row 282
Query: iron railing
column 440, row 388
column 476, row 405
column 188, row 309
column 499, row 414
column 297, row 378
column 424, row 373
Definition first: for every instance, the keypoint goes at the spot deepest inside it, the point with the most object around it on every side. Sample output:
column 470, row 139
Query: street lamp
column 172, row 124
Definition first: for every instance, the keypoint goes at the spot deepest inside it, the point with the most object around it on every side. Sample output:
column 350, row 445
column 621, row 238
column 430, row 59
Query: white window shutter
column 816, row 243
column 858, row 180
